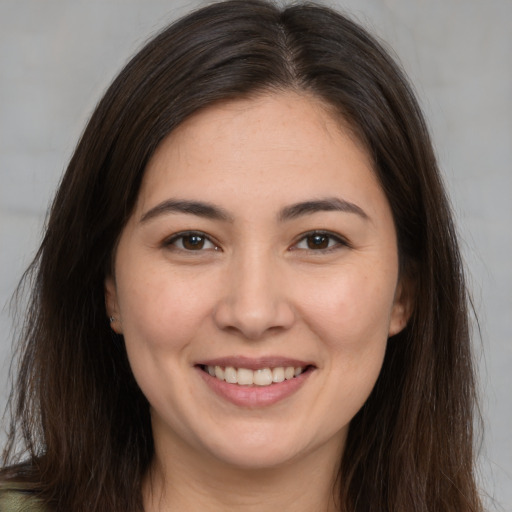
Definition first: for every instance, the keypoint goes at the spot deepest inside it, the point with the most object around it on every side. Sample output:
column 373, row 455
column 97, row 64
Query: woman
column 249, row 293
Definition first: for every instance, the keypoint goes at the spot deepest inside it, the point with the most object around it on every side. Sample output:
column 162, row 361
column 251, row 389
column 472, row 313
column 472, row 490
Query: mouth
column 255, row 382
column 259, row 377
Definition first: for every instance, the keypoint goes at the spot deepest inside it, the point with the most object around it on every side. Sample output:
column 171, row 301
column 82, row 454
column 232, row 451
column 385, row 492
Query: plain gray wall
column 57, row 57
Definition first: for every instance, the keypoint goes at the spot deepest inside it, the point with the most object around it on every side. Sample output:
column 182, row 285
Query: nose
column 254, row 302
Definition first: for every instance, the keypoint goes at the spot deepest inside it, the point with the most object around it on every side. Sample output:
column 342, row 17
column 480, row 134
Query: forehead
column 259, row 118
column 285, row 145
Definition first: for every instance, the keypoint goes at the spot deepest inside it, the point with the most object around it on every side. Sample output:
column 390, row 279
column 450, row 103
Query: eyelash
column 189, row 234
column 337, row 241
column 334, row 241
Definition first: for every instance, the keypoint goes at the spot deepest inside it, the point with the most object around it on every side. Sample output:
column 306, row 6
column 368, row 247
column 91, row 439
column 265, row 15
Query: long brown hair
column 77, row 410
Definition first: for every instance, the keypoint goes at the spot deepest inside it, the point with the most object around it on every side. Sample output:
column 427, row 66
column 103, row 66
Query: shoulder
column 18, row 497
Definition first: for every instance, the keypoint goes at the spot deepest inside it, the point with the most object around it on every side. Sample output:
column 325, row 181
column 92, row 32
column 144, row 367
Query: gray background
column 57, row 57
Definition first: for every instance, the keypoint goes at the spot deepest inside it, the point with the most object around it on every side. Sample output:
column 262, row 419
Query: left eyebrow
column 321, row 205
column 198, row 208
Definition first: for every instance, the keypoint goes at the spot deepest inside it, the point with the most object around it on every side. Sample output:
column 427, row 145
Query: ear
column 112, row 305
column 403, row 306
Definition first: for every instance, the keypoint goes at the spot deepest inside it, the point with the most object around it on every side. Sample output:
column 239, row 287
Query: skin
column 256, row 289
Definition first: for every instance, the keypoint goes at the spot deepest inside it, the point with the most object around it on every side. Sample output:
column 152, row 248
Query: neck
column 184, row 482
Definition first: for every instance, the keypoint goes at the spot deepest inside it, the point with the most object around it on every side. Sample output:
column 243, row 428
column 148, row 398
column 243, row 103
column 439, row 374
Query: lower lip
column 255, row 396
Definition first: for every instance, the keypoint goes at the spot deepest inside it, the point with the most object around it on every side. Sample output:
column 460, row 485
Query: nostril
column 254, row 319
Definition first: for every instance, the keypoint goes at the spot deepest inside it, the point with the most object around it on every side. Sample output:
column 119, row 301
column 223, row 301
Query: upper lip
column 255, row 363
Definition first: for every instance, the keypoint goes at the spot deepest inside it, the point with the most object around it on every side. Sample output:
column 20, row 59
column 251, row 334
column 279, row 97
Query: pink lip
column 254, row 396
column 255, row 363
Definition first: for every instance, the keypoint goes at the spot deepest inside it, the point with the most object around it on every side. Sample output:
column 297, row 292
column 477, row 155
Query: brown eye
column 320, row 241
column 317, row 241
column 191, row 241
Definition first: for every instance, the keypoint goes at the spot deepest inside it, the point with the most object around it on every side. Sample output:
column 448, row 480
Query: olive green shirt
column 17, row 498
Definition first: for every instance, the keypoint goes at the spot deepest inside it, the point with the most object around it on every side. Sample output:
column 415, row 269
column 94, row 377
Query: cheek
column 350, row 318
column 349, row 311
column 161, row 311
column 161, row 315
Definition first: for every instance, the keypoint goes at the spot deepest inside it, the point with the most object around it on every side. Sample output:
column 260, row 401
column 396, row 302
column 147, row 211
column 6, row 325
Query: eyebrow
column 321, row 205
column 198, row 208
column 210, row 211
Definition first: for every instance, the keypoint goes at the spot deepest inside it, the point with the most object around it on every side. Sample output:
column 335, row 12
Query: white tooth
column 211, row 370
column 230, row 375
column 263, row 377
column 278, row 374
column 245, row 377
column 219, row 373
column 297, row 371
column 289, row 372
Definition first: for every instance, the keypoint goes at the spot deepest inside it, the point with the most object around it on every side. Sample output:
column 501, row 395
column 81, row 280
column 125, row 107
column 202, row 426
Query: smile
column 254, row 383
column 258, row 377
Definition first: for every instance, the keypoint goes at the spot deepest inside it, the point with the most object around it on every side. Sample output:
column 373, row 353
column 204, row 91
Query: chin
column 255, row 459
column 267, row 449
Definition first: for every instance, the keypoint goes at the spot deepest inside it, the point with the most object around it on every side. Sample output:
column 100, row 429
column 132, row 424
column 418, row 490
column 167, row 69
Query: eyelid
column 169, row 242
column 339, row 239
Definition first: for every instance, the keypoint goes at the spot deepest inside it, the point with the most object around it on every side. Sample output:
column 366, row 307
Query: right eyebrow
column 321, row 205
column 198, row 208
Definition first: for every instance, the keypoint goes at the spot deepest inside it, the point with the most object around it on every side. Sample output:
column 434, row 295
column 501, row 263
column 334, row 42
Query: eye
column 319, row 241
column 191, row 241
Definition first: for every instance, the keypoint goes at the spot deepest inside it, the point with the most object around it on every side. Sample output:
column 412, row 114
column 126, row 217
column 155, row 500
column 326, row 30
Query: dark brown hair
column 77, row 410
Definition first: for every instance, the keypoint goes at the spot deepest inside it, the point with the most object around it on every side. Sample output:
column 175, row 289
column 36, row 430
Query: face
column 256, row 283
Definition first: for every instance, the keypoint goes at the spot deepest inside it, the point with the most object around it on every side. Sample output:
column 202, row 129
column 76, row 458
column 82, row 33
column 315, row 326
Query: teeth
column 261, row 377
column 230, row 375
column 245, row 377
column 219, row 373
column 278, row 374
column 289, row 372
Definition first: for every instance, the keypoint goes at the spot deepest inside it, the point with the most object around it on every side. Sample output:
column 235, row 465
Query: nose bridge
column 255, row 299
